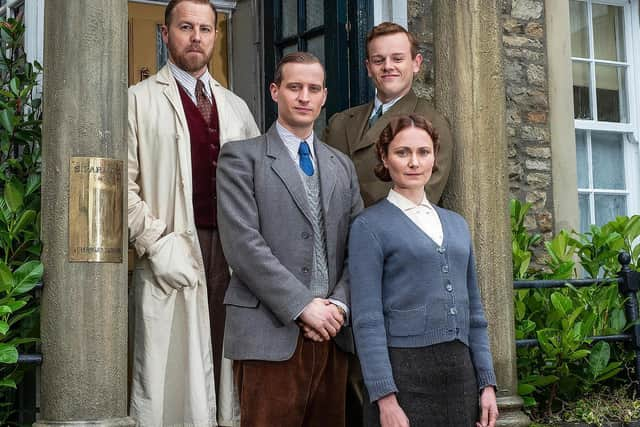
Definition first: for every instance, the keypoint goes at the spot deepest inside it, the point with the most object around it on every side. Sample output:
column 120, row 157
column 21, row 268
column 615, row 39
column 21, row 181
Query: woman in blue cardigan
column 418, row 322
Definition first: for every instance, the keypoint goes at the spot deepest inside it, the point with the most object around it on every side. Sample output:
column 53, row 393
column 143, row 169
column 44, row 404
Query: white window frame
column 390, row 10
column 33, row 19
column 631, row 130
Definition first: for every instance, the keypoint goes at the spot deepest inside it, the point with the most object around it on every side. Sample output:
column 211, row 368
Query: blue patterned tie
column 305, row 158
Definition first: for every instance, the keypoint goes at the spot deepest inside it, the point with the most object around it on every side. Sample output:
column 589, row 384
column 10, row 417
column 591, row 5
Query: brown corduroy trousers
column 217, row 275
column 308, row 390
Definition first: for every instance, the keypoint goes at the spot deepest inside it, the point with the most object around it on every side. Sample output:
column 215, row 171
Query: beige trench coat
column 172, row 379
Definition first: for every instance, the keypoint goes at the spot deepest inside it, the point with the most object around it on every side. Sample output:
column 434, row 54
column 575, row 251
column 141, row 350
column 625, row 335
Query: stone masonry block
column 526, row 9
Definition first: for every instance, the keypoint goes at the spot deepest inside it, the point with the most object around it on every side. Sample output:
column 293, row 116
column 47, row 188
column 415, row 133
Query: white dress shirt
column 385, row 105
column 423, row 215
column 292, row 142
column 188, row 82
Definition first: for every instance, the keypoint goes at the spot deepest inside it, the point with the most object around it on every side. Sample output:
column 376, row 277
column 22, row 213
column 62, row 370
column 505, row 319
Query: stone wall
column 527, row 109
column 527, row 99
column 420, row 14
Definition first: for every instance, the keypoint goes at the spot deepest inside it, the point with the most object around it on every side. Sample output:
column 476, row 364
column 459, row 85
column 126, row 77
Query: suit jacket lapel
column 325, row 162
column 369, row 137
column 286, row 169
column 360, row 120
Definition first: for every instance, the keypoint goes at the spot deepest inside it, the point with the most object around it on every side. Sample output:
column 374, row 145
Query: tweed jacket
column 407, row 291
column 266, row 234
column 172, row 378
column 348, row 131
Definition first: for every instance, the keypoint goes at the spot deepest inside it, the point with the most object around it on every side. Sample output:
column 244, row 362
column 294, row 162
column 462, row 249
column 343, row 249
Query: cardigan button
column 441, row 250
column 453, row 311
column 445, row 268
column 305, row 235
column 449, row 287
column 305, row 270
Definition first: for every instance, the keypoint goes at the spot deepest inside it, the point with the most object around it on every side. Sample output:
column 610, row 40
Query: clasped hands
column 321, row 320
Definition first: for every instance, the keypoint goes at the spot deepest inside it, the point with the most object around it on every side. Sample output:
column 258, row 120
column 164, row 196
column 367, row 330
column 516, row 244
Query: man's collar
column 291, row 141
column 385, row 105
column 283, row 131
column 188, row 82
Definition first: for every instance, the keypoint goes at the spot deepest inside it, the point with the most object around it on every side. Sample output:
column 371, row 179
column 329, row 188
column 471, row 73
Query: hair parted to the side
column 296, row 58
column 173, row 3
column 388, row 28
column 395, row 126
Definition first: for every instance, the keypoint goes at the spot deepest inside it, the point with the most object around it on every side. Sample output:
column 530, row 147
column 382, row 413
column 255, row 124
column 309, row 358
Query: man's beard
column 190, row 64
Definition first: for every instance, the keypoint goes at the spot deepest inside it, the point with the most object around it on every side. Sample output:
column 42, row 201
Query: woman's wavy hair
column 397, row 124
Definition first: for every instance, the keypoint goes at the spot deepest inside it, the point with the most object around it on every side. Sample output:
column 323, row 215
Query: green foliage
column 20, row 247
column 567, row 364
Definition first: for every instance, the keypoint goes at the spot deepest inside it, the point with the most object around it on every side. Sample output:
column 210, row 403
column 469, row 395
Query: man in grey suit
column 285, row 203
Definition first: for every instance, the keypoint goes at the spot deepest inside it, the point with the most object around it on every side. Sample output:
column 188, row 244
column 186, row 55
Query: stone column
column 469, row 90
column 84, row 305
column 566, row 213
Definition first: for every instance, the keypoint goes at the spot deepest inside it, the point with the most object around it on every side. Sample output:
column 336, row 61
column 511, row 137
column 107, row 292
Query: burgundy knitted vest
column 205, row 147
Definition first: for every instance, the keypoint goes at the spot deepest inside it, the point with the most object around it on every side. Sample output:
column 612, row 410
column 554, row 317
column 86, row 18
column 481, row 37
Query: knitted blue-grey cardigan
column 406, row 291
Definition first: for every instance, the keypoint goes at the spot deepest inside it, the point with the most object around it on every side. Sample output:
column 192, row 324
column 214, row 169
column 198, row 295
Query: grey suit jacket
column 348, row 131
column 265, row 230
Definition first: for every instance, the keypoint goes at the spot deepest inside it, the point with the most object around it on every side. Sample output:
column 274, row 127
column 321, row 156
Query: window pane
column 608, row 160
column 581, row 159
column 581, row 92
column 316, row 46
column 608, row 32
column 579, row 29
column 289, row 18
column 315, row 13
column 585, row 221
column 289, row 49
column 610, row 93
column 608, row 207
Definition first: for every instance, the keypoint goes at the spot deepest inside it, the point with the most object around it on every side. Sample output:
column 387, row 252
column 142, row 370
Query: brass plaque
column 95, row 210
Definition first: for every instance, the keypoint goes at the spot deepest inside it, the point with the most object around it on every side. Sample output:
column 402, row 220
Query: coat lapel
column 369, row 137
column 326, row 165
column 222, row 106
column 360, row 119
column 285, row 168
column 171, row 92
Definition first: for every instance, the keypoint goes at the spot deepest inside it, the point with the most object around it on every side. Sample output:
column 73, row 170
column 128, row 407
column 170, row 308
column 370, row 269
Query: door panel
column 333, row 31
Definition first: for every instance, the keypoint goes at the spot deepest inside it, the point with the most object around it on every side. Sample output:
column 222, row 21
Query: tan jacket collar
column 361, row 136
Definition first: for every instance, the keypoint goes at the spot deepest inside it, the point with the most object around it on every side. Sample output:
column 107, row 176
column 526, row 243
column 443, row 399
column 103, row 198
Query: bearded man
column 178, row 120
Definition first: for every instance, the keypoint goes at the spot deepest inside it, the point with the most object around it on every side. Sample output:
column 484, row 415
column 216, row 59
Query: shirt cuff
column 332, row 301
column 341, row 305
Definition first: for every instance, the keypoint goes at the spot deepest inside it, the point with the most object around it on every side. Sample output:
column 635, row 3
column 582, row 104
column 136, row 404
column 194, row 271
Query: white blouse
column 423, row 215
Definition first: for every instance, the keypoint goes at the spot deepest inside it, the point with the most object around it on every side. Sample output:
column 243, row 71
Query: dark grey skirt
column 436, row 386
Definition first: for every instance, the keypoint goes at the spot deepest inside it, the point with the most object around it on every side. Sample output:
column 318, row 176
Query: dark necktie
column 204, row 105
column 305, row 158
column 375, row 116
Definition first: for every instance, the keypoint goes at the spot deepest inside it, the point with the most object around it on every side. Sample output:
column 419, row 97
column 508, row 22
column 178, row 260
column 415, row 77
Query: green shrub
column 566, row 364
column 20, row 247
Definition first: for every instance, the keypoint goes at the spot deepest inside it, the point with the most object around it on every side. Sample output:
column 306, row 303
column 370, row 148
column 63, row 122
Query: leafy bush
column 566, row 364
column 20, row 247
